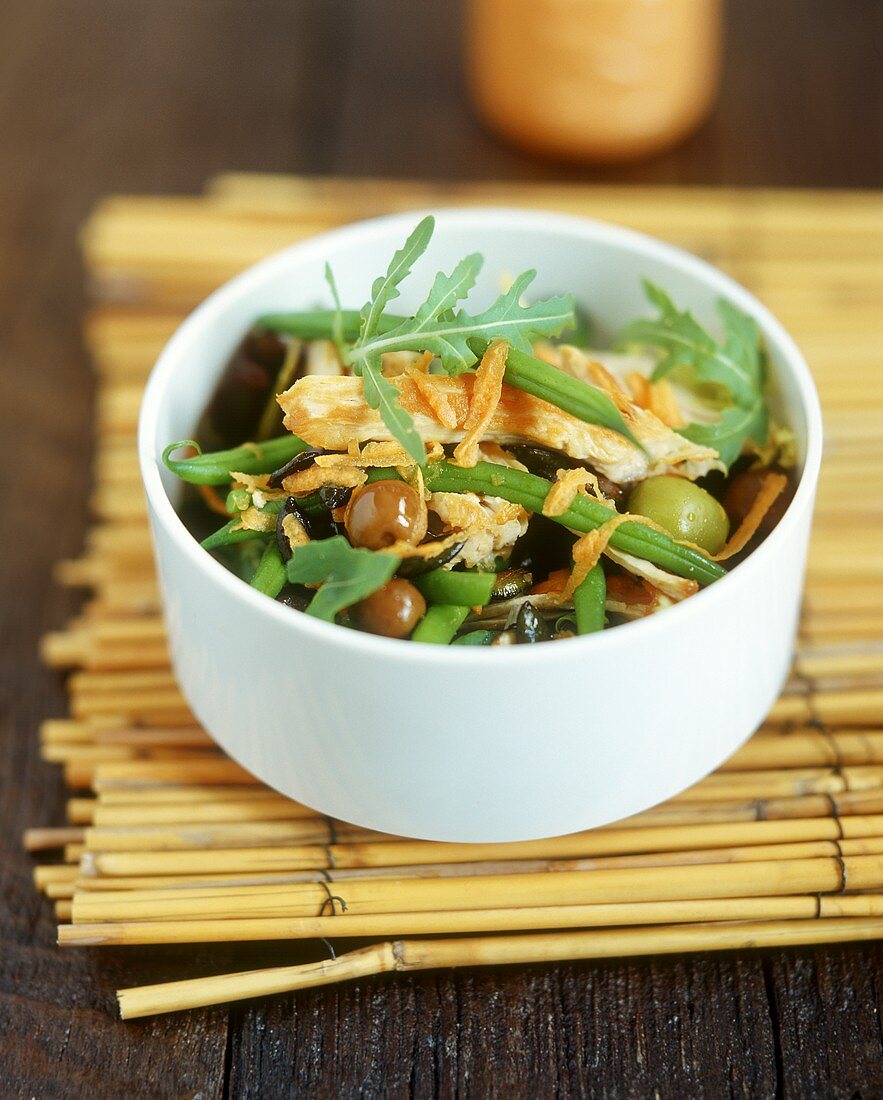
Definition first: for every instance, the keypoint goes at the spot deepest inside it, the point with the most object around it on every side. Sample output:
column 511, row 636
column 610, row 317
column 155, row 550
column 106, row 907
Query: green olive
column 683, row 509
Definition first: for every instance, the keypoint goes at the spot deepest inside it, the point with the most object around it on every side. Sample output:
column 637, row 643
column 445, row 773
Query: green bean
column 317, row 324
column 588, row 601
column 571, row 395
column 215, row 467
column 583, row 515
column 443, row 586
column 381, row 473
column 523, row 371
column 230, row 534
column 270, row 576
column 440, row 623
column 476, row 637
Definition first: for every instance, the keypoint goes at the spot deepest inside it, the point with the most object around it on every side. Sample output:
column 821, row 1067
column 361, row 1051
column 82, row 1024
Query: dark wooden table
column 156, row 95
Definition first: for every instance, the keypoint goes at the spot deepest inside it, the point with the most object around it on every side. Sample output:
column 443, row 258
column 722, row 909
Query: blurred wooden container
column 594, row 80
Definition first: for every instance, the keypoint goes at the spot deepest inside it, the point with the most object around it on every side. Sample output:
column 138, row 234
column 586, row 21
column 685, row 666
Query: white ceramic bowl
column 462, row 743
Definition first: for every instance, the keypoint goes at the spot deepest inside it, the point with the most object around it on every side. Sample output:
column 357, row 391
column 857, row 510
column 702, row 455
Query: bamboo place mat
column 170, row 841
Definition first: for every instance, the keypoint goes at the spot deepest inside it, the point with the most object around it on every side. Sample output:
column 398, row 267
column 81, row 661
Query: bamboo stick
column 99, row 683
column 236, row 886
column 48, row 873
column 185, row 794
column 849, row 708
column 156, row 773
column 47, row 839
column 271, row 808
column 606, row 842
column 206, row 837
column 220, row 881
column 408, row 955
column 471, row 921
column 361, row 853
column 807, row 747
column 60, row 891
column 81, row 811
column 820, row 875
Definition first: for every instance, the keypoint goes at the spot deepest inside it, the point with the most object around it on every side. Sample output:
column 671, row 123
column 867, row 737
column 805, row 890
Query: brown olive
column 392, row 611
column 740, row 495
column 383, row 512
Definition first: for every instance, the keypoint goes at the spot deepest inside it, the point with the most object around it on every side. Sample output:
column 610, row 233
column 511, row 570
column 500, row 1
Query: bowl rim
column 160, row 387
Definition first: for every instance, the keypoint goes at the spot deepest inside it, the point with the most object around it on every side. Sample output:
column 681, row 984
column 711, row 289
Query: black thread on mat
column 329, row 856
column 818, row 905
column 841, row 863
column 835, row 815
column 330, row 947
column 332, row 829
column 330, row 900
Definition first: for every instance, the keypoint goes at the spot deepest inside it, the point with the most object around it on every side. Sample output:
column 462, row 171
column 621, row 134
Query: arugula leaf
column 436, row 327
column 381, row 394
column 737, row 365
column 519, row 325
column 345, row 575
column 448, row 336
column 742, row 341
column 446, row 292
column 385, row 288
column 684, row 342
column 729, row 433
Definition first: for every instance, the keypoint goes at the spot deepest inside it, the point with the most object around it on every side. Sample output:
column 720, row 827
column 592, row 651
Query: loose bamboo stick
column 408, row 955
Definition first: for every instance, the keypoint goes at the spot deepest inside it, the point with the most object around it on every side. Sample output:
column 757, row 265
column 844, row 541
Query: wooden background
column 156, row 95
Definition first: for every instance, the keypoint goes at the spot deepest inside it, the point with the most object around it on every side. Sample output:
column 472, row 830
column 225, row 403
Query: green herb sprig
column 345, row 575
column 453, row 335
column 736, row 365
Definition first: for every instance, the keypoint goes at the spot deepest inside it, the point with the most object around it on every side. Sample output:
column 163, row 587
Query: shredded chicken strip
column 329, row 412
column 587, row 550
column 676, row 588
column 773, row 486
column 489, row 525
column 487, row 390
column 567, row 487
column 679, row 403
